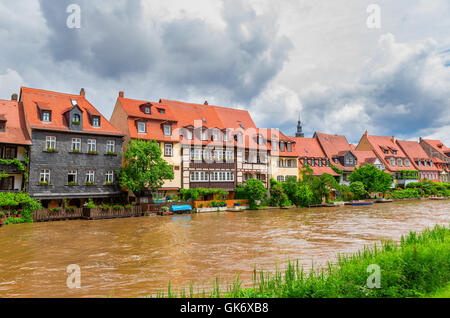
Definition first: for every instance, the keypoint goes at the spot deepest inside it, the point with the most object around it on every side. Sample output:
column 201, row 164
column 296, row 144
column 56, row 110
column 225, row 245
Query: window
column 109, row 176
column 92, row 145
column 76, row 119
column 110, row 146
column 431, row 163
column 147, row 110
column 393, row 162
column 2, row 125
column 207, row 154
column 9, row 152
column 222, row 176
column 72, row 177
column 215, row 135
column 167, row 130
column 274, row 145
column 400, row 162
column 76, row 144
column 280, row 179
column 50, row 143
column 168, row 150
column 44, row 176
column 394, row 152
column 189, row 134
column 141, row 127
column 198, row 176
column 260, row 140
column 90, row 176
column 7, row 183
column 161, row 111
column 335, row 160
column 74, row 102
column 96, row 121
column 225, row 136
column 218, row 155
column 46, row 116
column 229, row 155
column 289, row 147
column 196, row 154
column 282, row 146
column 407, row 163
column 204, row 135
column 320, row 163
column 240, row 138
column 313, row 163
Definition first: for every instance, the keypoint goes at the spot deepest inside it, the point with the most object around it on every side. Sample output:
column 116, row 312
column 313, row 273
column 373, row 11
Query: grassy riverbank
column 417, row 266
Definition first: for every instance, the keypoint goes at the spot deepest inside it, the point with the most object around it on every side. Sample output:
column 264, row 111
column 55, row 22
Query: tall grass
column 416, row 266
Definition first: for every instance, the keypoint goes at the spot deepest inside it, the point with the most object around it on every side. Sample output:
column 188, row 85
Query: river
column 136, row 257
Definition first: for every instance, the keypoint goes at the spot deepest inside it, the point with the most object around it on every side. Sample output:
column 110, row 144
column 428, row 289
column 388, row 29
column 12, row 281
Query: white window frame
column 44, row 175
column 147, row 110
column 141, row 125
column 92, row 145
column 90, row 176
column 110, row 146
column 280, row 178
column 44, row 116
column 50, row 142
column 109, row 176
column 196, row 154
column 392, row 162
column 96, row 121
column 168, row 150
column 76, row 144
column 399, row 163
column 189, row 134
column 222, row 176
column 167, row 130
column 74, row 173
column 198, row 176
column 229, row 155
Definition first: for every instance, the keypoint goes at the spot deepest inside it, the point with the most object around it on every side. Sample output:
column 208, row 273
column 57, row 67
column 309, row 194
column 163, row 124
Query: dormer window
column 2, row 125
column 289, row 147
column 147, row 110
column 282, row 146
column 141, row 127
column 394, row 152
column 96, row 121
column 74, row 102
column 167, row 130
column 46, row 116
column 161, row 111
column 76, row 119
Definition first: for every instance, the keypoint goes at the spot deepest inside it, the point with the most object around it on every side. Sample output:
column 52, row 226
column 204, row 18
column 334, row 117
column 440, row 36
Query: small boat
column 362, row 203
column 236, row 209
column 383, row 200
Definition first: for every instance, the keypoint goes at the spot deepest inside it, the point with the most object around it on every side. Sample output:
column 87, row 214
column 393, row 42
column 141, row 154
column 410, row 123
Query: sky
column 280, row 60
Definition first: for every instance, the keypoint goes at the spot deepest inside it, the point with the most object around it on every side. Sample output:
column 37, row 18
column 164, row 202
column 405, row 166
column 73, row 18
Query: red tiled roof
column 334, row 146
column 132, row 108
column 318, row 171
column 308, row 147
column 364, row 156
column 59, row 103
column 15, row 130
column 415, row 152
column 381, row 142
column 438, row 146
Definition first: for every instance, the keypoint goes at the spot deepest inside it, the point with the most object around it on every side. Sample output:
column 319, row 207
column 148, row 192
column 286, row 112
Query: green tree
column 277, row 195
column 255, row 191
column 143, row 167
column 304, row 196
column 357, row 188
column 374, row 180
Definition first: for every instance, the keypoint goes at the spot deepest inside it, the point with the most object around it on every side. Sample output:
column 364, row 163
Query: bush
column 357, row 188
column 405, row 194
column 255, row 191
column 91, row 204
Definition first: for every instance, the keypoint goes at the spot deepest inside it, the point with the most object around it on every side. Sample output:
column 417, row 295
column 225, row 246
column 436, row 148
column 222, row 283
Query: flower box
column 76, row 122
column 75, row 151
column 89, row 183
column 50, row 150
column 72, row 184
column 92, row 152
column 44, row 183
column 110, row 153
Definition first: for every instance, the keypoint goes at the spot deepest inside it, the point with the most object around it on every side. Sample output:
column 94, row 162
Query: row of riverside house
column 58, row 146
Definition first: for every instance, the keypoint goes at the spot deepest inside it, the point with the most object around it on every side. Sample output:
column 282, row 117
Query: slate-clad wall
column 63, row 160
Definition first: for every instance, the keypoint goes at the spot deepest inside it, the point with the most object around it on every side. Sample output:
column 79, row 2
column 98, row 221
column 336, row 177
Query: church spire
column 299, row 132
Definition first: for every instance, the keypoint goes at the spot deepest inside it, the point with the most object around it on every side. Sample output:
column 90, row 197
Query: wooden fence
column 111, row 213
column 52, row 215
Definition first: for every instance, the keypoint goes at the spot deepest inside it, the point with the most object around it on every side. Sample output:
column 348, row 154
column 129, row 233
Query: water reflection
column 138, row 256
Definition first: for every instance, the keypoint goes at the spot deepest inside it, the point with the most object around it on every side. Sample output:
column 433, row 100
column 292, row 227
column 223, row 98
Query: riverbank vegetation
column 17, row 207
column 417, row 266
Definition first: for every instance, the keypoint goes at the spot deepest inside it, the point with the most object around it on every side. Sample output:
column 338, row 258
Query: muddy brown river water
column 138, row 256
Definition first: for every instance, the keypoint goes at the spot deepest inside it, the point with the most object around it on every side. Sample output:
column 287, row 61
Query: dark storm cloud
column 184, row 53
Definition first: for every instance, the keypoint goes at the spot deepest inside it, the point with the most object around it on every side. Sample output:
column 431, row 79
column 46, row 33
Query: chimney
column 14, row 97
column 121, row 94
column 366, row 133
column 393, row 139
column 82, row 92
column 205, row 103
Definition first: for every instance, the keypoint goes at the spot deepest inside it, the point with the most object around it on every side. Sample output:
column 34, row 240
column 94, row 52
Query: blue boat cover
column 185, row 207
